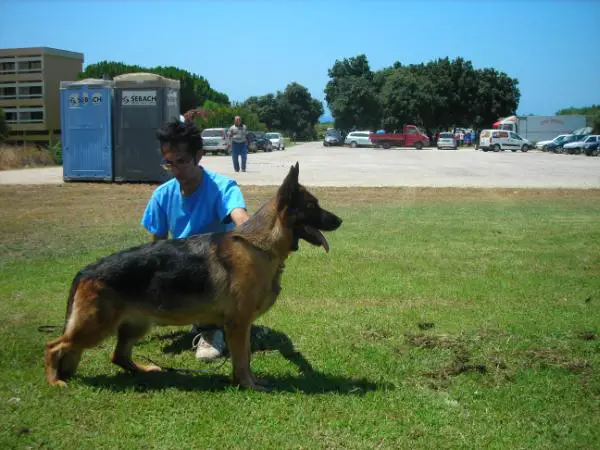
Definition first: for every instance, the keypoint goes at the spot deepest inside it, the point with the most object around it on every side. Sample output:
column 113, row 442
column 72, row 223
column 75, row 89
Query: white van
column 216, row 140
column 500, row 140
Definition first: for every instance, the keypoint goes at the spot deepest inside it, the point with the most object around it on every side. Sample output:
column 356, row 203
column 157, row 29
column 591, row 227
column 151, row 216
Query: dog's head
column 302, row 212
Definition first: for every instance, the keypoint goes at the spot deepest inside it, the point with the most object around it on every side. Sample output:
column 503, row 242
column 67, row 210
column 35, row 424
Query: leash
column 49, row 328
column 54, row 328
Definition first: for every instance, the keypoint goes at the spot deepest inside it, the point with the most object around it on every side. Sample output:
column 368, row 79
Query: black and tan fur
column 223, row 278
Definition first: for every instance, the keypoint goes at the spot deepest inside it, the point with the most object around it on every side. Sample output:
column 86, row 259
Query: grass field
column 441, row 318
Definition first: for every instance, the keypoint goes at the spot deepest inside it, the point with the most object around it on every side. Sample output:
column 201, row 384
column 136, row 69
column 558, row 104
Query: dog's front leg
column 238, row 341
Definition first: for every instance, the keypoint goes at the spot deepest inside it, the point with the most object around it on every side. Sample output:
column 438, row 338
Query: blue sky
column 246, row 48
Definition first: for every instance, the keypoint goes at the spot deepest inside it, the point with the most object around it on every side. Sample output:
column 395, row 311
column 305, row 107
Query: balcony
column 19, row 91
column 15, row 65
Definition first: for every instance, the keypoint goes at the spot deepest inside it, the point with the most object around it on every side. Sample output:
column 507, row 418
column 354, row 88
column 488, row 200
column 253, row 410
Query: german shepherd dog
column 228, row 279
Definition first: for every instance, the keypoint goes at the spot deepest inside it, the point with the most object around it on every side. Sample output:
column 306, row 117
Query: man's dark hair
column 176, row 132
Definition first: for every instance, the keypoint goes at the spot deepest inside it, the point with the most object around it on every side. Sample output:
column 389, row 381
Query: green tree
column 351, row 94
column 497, row 96
column 267, row 109
column 435, row 95
column 194, row 89
column 293, row 111
column 216, row 115
column 299, row 112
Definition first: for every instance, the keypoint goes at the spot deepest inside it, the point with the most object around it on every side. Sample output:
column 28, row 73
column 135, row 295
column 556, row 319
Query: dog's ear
column 289, row 188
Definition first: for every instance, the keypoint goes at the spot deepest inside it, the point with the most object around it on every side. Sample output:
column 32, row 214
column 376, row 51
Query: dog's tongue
column 319, row 236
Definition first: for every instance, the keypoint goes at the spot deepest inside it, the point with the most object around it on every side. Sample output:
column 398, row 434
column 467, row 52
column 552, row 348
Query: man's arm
column 239, row 216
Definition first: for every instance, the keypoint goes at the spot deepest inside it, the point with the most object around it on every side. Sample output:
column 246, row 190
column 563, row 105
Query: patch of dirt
column 553, row 358
column 587, row 335
column 374, row 335
column 433, row 341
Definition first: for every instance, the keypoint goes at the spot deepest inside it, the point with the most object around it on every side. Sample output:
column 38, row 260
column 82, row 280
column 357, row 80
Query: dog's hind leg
column 127, row 335
column 92, row 319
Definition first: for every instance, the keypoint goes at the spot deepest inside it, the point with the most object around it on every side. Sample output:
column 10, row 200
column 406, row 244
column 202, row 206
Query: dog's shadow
column 264, row 339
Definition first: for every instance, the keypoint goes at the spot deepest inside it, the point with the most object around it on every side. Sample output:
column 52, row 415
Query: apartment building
column 30, row 90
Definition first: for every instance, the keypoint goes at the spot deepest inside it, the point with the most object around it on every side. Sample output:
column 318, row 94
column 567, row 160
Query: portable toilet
column 86, row 129
column 143, row 103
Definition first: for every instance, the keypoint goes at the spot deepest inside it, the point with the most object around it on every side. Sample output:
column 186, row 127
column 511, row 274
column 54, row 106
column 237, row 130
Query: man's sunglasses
column 168, row 165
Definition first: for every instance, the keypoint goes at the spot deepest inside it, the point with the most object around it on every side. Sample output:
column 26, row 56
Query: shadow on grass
column 310, row 381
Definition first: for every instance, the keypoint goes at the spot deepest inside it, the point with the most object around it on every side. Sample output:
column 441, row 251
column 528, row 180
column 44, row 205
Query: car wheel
column 496, row 148
column 386, row 145
column 419, row 145
column 524, row 149
column 455, row 148
column 353, row 144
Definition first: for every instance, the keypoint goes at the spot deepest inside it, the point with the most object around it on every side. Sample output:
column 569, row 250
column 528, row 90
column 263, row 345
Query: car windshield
column 212, row 133
column 559, row 139
column 259, row 134
column 446, row 136
column 272, row 135
column 333, row 133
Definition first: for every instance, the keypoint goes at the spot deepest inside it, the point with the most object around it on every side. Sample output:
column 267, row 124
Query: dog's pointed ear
column 288, row 188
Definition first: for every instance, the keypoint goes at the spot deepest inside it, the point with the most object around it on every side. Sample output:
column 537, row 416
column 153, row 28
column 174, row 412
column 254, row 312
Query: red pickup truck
column 410, row 136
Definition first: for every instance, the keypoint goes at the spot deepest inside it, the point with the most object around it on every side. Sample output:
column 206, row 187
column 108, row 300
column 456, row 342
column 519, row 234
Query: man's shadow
column 263, row 339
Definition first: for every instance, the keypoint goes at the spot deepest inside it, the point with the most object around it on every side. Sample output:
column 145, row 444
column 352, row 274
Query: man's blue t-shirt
column 205, row 211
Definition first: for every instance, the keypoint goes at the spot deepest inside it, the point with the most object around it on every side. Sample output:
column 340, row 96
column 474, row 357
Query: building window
column 7, row 67
column 30, row 66
column 31, row 115
column 30, row 91
column 8, row 92
column 10, row 115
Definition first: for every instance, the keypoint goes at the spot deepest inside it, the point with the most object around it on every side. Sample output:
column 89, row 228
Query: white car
column 500, row 140
column 358, row 139
column 577, row 146
column 215, row 140
column 446, row 140
column 541, row 145
column 277, row 140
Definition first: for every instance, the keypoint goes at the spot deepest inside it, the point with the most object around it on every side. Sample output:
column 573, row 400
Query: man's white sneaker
column 209, row 348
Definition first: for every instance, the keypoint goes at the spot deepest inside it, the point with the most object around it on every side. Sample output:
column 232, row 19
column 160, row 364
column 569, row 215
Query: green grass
column 440, row 319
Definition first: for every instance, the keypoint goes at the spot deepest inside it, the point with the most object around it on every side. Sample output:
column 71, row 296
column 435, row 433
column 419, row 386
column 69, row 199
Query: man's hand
column 239, row 216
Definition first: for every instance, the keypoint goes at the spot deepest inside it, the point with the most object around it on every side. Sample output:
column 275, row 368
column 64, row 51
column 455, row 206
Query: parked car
column 358, row 139
column 333, row 137
column 558, row 147
column 543, row 145
column 277, row 140
column 592, row 148
column 501, row 140
column 446, row 140
column 257, row 140
column 578, row 147
column 407, row 136
column 216, row 140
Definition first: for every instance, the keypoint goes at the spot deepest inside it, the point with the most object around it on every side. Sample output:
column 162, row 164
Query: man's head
column 237, row 121
column 181, row 148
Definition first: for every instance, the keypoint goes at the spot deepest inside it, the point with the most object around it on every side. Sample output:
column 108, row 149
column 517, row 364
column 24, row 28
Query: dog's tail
column 72, row 291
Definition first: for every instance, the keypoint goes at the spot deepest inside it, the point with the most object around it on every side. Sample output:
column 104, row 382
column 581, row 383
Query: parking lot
column 343, row 166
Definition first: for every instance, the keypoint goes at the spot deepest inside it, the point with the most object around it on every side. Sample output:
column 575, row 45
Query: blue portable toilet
column 86, row 108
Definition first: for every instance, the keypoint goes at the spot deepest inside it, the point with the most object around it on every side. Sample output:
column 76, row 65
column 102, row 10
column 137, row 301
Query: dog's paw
column 58, row 383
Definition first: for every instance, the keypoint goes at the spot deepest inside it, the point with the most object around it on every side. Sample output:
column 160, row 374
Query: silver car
column 215, row 140
column 446, row 140
column 277, row 140
column 358, row 139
